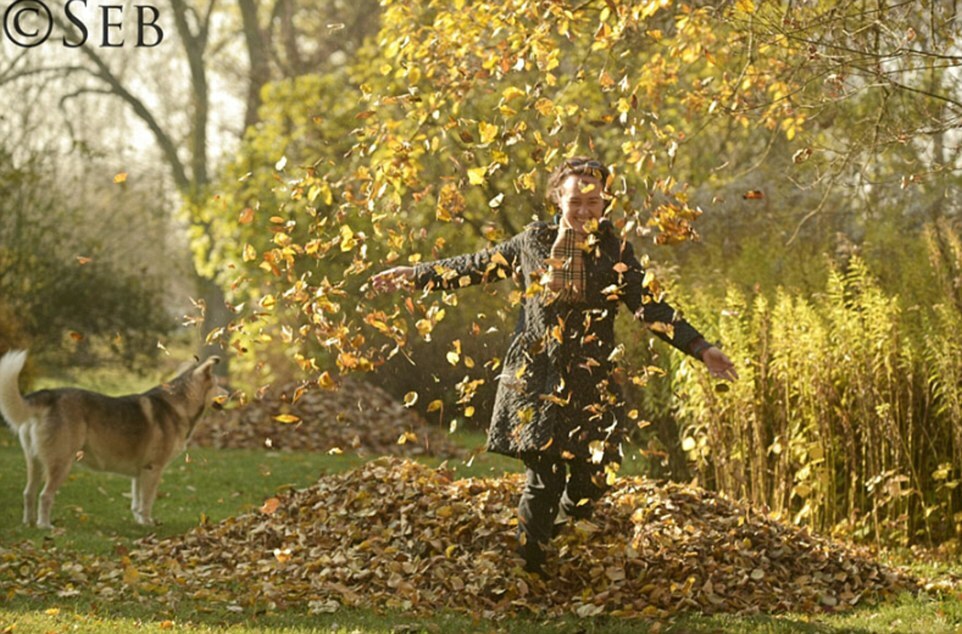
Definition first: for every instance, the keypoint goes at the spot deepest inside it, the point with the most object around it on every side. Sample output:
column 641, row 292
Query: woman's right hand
column 392, row 279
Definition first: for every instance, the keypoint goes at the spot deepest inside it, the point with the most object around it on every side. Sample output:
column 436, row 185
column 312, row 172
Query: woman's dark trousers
column 548, row 488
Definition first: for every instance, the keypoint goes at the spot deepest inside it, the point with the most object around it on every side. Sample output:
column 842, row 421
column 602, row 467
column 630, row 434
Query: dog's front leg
column 146, row 490
column 135, row 497
column 55, row 476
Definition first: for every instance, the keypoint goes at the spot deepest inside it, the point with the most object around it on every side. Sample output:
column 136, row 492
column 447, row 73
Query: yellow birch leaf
column 476, row 175
column 512, row 93
column 488, row 132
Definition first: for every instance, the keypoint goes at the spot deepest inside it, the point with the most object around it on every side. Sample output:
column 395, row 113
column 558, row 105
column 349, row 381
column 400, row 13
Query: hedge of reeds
column 848, row 413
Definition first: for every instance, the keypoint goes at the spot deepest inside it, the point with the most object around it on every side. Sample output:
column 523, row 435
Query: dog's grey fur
column 135, row 435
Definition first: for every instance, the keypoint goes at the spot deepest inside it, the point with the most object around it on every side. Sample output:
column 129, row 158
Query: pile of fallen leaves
column 357, row 416
column 397, row 534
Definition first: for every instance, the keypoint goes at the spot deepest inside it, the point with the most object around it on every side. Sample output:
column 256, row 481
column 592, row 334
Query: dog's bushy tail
column 12, row 406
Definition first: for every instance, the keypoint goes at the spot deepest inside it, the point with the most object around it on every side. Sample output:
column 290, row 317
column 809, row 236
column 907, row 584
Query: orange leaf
column 270, row 506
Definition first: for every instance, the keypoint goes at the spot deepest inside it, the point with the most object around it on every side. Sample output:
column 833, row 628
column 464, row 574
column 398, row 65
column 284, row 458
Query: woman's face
column 580, row 198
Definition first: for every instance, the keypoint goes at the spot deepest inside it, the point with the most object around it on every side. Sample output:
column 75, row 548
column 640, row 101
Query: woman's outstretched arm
column 489, row 265
column 666, row 323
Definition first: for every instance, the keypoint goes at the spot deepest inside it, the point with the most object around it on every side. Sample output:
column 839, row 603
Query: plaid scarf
column 566, row 272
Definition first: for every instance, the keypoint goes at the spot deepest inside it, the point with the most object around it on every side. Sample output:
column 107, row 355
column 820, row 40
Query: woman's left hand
column 719, row 365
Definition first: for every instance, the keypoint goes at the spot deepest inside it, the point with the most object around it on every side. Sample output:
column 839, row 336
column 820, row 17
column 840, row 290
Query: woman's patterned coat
column 555, row 393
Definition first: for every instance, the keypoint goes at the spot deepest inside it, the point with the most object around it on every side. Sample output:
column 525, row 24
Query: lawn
column 92, row 518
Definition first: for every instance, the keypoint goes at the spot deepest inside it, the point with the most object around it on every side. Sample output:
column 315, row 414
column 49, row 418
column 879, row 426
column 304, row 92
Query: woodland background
column 791, row 169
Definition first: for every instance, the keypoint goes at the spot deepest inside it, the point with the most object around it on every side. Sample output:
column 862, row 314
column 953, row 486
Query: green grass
column 93, row 517
column 200, row 483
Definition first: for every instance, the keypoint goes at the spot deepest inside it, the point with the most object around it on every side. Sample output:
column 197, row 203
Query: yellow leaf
column 527, row 181
column 410, row 399
column 347, row 238
column 325, row 381
column 512, row 93
column 287, row 418
column 120, row 178
column 498, row 258
column 434, row 406
column 544, row 106
column 488, row 132
column 476, row 175
column 525, row 415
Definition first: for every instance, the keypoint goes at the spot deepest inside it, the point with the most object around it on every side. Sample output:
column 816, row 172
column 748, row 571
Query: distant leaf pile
column 357, row 417
column 397, row 534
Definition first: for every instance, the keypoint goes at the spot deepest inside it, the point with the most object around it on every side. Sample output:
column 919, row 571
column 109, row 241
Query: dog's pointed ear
column 207, row 366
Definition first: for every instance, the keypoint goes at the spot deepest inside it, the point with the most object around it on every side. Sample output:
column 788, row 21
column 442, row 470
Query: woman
column 557, row 407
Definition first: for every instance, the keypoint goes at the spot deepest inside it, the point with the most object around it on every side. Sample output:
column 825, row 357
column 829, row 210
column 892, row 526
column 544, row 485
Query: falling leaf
column 286, row 418
column 488, row 132
column 120, row 178
column 596, row 449
column 76, row 336
column 326, row 381
column 270, row 506
column 511, row 93
column 477, row 175
column 246, row 216
column 754, row 194
column 81, row 260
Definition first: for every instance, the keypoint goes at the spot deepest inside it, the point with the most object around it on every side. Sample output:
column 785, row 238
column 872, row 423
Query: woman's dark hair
column 581, row 165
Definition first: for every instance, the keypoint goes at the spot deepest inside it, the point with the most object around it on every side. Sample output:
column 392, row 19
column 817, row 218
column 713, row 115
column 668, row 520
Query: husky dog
column 135, row 435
